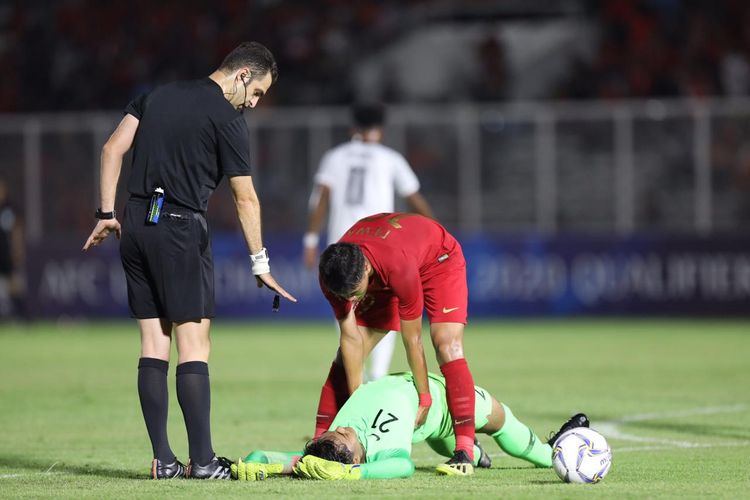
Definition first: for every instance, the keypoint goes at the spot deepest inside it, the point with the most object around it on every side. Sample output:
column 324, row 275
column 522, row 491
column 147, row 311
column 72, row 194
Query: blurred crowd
column 88, row 54
column 83, row 54
column 665, row 48
column 92, row 55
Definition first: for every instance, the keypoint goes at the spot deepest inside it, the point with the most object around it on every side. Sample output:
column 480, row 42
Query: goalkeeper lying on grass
column 372, row 435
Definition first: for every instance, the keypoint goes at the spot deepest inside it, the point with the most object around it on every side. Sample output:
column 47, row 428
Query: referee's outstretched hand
column 269, row 281
column 101, row 231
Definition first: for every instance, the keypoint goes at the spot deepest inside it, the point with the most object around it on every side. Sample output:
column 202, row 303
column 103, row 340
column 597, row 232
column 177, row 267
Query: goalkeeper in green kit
column 372, row 436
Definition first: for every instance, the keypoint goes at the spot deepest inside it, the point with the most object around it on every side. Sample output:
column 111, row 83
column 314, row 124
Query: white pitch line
column 48, row 471
column 735, row 444
column 25, row 474
column 631, row 449
column 706, row 410
column 611, row 428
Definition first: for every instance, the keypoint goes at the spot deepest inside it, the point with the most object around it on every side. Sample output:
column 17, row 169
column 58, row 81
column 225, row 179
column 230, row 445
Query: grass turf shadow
column 42, row 467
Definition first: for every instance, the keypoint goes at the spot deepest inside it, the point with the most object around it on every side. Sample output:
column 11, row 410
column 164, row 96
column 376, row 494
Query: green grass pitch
column 672, row 397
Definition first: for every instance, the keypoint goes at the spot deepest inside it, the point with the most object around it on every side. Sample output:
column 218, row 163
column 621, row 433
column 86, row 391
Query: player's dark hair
column 253, row 55
column 341, row 267
column 368, row 115
column 328, row 449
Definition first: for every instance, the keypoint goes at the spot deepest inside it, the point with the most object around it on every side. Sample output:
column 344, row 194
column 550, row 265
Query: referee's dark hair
column 341, row 268
column 367, row 116
column 328, row 449
column 253, row 55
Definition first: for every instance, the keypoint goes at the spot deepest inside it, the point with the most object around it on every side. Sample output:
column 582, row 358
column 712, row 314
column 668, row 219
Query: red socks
column 333, row 395
column 459, row 387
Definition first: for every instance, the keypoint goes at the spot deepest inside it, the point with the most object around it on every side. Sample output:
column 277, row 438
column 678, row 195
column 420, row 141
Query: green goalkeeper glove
column 311, row 467
column 253, row 471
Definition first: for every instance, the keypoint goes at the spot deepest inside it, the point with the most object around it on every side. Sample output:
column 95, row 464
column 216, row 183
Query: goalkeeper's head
column 345, row 271
column 339, row 445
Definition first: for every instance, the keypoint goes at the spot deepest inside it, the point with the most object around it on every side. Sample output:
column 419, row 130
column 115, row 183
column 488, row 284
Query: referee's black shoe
column 160, row 470
column 217, row 468
column 577, row 420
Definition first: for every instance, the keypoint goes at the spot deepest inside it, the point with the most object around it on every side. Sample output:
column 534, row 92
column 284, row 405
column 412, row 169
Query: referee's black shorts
column 168, row 266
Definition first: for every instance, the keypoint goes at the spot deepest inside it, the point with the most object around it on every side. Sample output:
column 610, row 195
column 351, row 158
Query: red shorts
column 445, row 298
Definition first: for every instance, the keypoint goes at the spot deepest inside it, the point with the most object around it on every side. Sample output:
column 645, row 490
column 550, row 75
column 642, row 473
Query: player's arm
column 411, row 334
column 418, row 204
column 407, row 185
column 351, row 348
column 259, row 465
column 319, row 202
column 247, row 205
column 287, row 459
column 388, row 464
column 248, row 211
column 113, row 152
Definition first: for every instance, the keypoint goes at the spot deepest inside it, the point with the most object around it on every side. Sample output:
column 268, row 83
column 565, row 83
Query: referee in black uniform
column 186, row 136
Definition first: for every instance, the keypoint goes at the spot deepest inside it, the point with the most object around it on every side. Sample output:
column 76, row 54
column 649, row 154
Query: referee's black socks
column 152, row 391
column 194, row 395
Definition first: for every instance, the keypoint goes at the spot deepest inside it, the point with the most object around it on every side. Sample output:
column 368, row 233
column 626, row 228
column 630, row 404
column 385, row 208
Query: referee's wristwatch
column 105, row 215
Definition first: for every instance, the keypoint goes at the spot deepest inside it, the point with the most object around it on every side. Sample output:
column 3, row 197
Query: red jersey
column 403, row 249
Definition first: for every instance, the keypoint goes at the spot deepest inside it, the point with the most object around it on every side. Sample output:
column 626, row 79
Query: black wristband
column 104, row 215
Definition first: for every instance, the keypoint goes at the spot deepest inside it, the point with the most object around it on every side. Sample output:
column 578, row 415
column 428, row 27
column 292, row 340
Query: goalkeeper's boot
column 485, row 462
column 161, row 470
column 217, row 468
column 577, row 420
column 459, row 465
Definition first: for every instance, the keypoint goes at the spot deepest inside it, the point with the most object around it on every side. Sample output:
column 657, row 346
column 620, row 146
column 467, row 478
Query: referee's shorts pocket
column 178, row 235
column 186, row 273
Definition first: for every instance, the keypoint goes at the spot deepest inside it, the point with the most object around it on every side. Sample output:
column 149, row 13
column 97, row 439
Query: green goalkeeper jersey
column 382, row 414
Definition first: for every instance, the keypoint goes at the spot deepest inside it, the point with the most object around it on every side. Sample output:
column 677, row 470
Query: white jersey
column 363, row 178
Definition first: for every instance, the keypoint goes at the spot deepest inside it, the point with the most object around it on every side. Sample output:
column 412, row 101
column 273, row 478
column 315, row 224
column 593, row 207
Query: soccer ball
column 581, row 455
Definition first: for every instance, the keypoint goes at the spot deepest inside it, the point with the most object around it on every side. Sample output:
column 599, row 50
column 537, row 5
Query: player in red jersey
column 380, row 276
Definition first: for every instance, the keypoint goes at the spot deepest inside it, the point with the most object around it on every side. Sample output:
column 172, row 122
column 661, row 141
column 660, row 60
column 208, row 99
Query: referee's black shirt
column 188, row 138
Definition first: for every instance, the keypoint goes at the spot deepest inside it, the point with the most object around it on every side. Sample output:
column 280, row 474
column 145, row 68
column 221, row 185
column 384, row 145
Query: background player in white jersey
column 354, row 180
